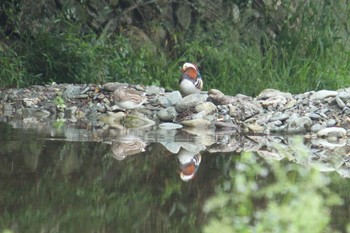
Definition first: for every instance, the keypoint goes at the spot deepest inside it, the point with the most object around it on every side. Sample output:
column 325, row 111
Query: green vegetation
column 240, row 46
column 60, row 186
column 292, row 199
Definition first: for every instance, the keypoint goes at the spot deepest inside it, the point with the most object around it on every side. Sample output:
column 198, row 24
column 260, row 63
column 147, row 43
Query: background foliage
column 240, row 46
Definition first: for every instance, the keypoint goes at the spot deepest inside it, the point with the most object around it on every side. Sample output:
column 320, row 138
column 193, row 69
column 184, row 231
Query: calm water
column 76, row 179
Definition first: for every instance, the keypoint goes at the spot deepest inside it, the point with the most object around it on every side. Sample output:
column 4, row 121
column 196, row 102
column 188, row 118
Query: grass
column 310, row 52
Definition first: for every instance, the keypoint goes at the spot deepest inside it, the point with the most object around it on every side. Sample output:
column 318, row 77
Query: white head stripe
column 188, row 65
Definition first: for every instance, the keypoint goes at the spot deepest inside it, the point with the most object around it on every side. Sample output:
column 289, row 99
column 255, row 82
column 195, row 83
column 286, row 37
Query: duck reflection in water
column 189, row 164
column 128, row 145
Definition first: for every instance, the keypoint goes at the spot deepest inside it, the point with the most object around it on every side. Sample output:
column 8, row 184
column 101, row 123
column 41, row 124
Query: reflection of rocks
column 324, row 154
column 127, row 145
column 212, row 120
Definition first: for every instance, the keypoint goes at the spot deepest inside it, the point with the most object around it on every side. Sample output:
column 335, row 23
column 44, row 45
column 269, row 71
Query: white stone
column 322, row 94
column 332, row 131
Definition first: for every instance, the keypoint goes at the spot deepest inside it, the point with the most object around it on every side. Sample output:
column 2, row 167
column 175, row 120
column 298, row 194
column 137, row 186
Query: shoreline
column 321, row 113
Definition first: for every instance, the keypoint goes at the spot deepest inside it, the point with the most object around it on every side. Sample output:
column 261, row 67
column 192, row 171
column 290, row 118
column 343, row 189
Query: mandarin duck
column 128, row 98
column 191, row 80
column 189, row 164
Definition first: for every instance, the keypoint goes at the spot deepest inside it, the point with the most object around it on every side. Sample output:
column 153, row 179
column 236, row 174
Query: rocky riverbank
column 316, row 113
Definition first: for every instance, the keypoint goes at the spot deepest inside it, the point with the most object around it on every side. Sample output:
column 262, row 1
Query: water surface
column 79, row 179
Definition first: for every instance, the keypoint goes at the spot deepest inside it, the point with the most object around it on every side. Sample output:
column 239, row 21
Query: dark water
column 76, row 179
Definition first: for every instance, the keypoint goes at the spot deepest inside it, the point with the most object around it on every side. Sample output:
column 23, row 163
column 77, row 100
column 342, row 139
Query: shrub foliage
column 240, row 46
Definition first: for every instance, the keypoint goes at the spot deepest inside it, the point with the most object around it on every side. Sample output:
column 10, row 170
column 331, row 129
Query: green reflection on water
column 288, row 198
column 57, row 186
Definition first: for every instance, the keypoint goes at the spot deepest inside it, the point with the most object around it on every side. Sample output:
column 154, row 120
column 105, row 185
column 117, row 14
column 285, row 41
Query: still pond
column 76, row 179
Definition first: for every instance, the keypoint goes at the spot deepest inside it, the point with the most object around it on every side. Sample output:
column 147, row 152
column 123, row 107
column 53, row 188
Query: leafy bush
column 12, row 72
column 292, row 46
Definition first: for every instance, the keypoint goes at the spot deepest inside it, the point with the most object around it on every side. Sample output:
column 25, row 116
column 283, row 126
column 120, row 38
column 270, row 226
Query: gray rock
column 71, row 91
column 167, row 114
column 82, row 96
column 332, row 132
column 8, row 109
column 206, row 107
column 31, row 102
column 323, row 94
column 317, row 127
column 223, row 109
column 331, row 122
column 276, row 128
column 219, row 98
column 346, row 110
column 200, row 123
column 255, row 128
column 271, row 93
column 42, row 113
column 86, row 89
column 190, row 101
column 26, row 112
column 345, row 96
column 290, row 104
column 101, row 108
column 169, row 126
column 154, row 90
column 279, row 116
column 111, row 87
column 299, row 124
column 137, row 121
column 313, row 116
column 225, row 125
column 340, row 102
column 243, row 110
column 170, row 99
column 70, row 112
column 324, row 143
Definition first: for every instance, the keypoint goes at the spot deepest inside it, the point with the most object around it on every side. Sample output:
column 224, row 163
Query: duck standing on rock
column 128, row 98
column 191, row 80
